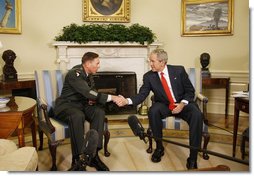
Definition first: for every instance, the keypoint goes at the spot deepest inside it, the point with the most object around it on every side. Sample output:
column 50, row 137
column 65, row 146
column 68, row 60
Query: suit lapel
column 173, row 79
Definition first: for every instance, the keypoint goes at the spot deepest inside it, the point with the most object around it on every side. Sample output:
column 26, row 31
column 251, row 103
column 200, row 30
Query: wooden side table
column 218, row 83
column 18, row 114
column 22, row 87
column 241, row 104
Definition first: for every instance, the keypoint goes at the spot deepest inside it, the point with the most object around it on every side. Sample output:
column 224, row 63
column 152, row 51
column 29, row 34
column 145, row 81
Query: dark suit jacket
column 181, row 85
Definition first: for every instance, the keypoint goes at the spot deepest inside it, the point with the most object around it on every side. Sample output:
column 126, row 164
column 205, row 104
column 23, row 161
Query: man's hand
column 116, row 99
column 179, row 107
column 120, row 100
column 123, row 101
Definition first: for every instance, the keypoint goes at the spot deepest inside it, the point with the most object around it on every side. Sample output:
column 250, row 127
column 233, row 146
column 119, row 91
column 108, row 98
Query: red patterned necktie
column 167, row 91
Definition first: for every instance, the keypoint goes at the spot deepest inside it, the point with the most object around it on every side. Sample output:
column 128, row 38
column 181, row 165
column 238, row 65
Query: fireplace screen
column 117, row 83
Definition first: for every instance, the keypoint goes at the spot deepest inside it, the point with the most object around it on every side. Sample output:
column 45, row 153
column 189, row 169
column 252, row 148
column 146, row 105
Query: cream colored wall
column 227, row 52
column 42, row 20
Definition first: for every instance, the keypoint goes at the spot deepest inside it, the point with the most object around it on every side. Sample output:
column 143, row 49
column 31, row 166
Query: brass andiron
column 143, row 110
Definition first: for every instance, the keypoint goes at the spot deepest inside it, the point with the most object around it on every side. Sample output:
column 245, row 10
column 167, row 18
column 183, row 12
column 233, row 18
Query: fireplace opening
column 117, row 83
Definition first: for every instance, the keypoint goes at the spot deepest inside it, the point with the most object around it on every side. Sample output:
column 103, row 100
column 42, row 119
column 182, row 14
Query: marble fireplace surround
column 114, row 56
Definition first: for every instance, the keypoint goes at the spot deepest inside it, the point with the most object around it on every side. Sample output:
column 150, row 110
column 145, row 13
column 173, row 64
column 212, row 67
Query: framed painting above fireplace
column 106, row 10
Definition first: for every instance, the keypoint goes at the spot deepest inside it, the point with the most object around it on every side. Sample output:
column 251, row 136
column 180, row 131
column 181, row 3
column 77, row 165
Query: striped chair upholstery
column 49, row 85
column 176, row 123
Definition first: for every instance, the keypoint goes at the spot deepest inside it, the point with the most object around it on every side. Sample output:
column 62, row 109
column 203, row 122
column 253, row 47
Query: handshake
column 120, row 100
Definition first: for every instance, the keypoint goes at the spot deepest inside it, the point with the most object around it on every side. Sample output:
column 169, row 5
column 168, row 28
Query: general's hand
column 179, row 107
column 120, row 100
column 116, row 99
column 123, row 101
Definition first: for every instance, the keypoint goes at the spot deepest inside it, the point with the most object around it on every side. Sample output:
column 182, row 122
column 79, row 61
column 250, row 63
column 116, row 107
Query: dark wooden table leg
column 226, row 104
column 33, row 130
column 21, row 137
column 236, row 120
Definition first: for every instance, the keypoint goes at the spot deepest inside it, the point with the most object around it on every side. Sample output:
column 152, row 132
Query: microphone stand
column 200, row 150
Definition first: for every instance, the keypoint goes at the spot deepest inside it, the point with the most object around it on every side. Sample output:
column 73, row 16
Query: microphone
column 138, row 130
column 137, row 127
column 90, row 146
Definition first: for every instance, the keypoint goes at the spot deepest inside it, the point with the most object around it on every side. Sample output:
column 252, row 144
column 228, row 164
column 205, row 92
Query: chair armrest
column 202, row 98
column 47, row 119
column 44, row 123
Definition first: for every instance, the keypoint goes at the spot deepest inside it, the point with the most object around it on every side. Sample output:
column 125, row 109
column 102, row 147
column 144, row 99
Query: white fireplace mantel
column 114, row 56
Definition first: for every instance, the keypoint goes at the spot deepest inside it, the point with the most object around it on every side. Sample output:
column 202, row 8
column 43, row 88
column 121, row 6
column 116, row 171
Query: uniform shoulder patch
column 78, row 72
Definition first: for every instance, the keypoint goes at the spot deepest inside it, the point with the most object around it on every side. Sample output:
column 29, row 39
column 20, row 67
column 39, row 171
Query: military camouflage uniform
column 79, row 102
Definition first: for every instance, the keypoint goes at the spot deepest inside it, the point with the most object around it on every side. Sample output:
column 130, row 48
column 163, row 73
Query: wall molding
column 26, row 75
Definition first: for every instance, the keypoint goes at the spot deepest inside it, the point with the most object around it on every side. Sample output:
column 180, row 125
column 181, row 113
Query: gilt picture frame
column 106, row 11
column 10, row 16
column 207, row 17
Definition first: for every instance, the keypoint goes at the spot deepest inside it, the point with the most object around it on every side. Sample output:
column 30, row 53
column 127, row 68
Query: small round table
column 18, row 114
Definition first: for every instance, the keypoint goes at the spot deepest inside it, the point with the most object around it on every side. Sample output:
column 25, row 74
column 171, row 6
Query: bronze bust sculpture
column 205, row 60
column 9, row 72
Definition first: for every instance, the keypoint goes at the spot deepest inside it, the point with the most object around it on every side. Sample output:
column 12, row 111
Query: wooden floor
column 128, row 153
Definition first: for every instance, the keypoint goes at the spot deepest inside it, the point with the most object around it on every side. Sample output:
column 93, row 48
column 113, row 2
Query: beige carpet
column 129, row 154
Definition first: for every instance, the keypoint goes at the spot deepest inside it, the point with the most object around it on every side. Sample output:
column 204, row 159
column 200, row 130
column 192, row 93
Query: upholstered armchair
column 176, row 123
column 49, row 85
column 13, row 158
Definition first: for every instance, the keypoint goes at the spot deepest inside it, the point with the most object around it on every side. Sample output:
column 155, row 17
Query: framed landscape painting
column 106, row 10
column 10, row 16
column 207, row 17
